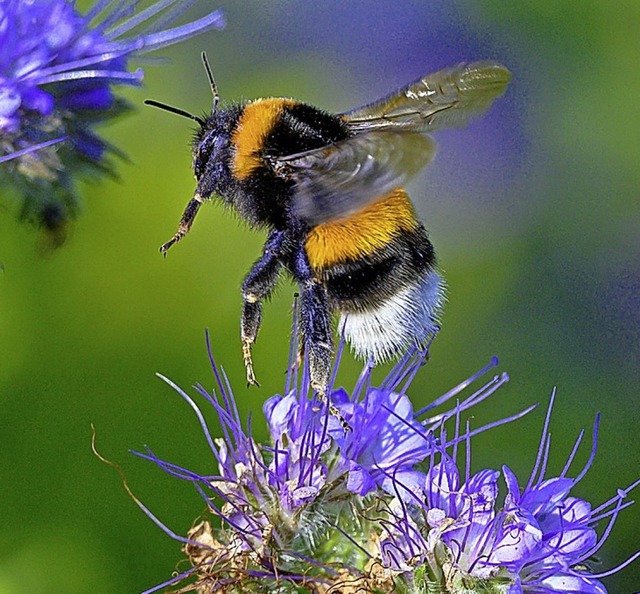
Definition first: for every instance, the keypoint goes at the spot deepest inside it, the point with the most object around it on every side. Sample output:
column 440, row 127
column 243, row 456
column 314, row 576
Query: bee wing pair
column 389, row 144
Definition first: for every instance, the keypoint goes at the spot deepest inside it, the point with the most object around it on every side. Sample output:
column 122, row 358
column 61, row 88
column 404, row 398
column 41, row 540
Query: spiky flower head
column 385, row 507
column 307, row 511
column 58, row 70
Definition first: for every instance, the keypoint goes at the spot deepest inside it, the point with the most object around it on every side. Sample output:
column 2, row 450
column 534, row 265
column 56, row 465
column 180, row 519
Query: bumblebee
column 329, row 191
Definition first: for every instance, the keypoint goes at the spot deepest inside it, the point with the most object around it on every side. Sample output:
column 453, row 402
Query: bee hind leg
column 319, row 351
column 249, row 326
column 316, row 332
column 297, row 364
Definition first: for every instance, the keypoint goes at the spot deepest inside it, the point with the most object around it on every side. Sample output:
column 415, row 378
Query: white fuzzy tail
column 408, row 317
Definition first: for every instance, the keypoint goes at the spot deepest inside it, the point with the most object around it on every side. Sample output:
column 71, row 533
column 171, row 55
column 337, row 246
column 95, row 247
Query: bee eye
column 200, row 160
column 206, row 150
column 198, row 165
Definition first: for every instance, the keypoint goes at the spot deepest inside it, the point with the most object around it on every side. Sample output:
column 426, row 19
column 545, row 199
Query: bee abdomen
column 362, row 234
column 378, row 268
column 408, row 317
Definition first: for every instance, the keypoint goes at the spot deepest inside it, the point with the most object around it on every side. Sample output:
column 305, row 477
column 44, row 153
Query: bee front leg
column 258, row 285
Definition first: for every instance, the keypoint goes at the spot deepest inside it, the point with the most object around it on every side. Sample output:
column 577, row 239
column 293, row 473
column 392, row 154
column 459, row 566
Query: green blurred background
column 533, row 211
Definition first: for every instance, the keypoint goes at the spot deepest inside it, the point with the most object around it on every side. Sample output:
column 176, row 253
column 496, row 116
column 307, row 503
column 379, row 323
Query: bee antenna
column 212, row 82
column 176, row 110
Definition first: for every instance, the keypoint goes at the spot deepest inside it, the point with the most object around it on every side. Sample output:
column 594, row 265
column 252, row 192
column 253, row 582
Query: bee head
column 208, row 144
column 208, row 141
column 209, row 150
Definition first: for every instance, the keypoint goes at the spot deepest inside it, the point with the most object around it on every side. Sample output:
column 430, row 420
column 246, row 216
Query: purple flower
column 455, row 537
column 385, row 438
column 300, row 507
column 383, row 506
column 57, row 73
column 387, row 442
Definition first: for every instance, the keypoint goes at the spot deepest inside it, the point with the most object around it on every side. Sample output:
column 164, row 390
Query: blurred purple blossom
column 57, row 73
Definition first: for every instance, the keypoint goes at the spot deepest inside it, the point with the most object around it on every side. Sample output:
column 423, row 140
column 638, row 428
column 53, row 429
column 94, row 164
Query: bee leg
column 320, row 355
column 251, row 318
column 316, row 332
column 188, row 216
column 258, row 285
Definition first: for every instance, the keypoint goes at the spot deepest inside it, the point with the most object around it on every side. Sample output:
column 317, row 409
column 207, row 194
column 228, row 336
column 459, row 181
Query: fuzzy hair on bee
column 329, row 190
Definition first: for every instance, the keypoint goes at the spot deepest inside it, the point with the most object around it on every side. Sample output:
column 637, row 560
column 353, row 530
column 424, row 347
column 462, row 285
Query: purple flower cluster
column 383, row 507
column 457, row 538
column 281, row 503
column 57, row 73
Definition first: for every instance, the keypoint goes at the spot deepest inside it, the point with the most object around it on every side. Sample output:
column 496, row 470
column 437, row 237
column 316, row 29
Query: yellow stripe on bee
column 256, row 122
column 362, row 233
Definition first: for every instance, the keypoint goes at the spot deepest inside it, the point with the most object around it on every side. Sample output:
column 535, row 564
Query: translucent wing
column 445, row 99
column 335, row 180
column 389, row 144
